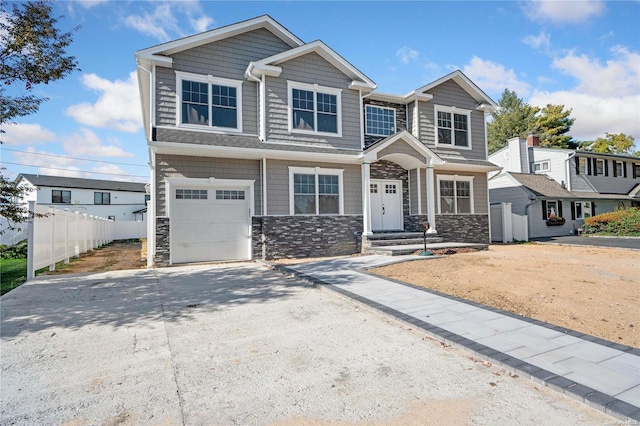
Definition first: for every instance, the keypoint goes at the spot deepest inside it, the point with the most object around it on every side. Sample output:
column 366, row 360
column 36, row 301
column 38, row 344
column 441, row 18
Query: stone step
column 393, row 235
column 407, row 241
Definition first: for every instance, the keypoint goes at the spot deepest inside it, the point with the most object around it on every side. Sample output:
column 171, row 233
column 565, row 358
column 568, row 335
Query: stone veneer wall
column 464, row 228
column 414, row 223
column 275, row 237
column 163, row 246
column 401, row 119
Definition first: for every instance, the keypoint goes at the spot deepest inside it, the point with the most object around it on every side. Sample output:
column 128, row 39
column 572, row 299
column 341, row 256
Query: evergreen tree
column 552, row 125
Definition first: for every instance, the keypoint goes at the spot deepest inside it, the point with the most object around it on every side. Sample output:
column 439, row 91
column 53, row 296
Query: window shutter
column 633, row 168
column 577, row 165
column 593, row 208
column 544, row 210
column 615, row 173
column 573, row 211
column 595, row 166
column 624, row 169
column 560, row 208
column 588, row 166
column 606, row 167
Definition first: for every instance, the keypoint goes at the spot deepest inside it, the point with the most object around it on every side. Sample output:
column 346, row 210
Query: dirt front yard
column 592, row 290
column 117, row 256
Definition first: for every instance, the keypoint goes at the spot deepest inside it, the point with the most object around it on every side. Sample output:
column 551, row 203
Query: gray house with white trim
column 263, row 146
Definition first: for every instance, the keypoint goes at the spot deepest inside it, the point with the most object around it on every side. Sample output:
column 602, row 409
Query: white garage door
column 209, row 224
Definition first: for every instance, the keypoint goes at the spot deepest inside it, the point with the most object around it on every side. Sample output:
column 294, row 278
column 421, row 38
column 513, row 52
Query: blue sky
column 584, row 55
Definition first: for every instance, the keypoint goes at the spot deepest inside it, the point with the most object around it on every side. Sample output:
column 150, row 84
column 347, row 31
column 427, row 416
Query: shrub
column 16, row 251
column 621, row 223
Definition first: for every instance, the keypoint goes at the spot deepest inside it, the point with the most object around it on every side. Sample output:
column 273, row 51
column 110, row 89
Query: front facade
column 119, row 201
column 263, row 146
column 588, row 184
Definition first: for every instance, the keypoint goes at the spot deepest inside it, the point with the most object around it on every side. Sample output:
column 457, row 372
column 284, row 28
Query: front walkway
column 602, row 374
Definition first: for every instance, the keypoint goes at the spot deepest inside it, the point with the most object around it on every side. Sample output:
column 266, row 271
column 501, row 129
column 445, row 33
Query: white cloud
column 541, row 41
column 162, row 22
column 595, row 115
column 89, row 4
column 617, row 77
column 118, row 107
column 494, row 78
column 563, row 12
column 407, row 54
column 25, row 134
column 50, row 165
column 87, row 143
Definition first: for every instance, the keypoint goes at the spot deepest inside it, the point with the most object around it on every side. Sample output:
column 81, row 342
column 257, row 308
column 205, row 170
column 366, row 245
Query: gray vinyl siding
column 450, row 94
column 226, row 58
column 205, row 167
column 479, row 190
column 311, row 69
column 613, row 185
column 538, row 225
column 278, row 185
column 401, row 147
column 503, row 190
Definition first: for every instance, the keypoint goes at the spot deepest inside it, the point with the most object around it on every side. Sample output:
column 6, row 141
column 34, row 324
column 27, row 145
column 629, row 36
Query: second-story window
column 60, row 196
column 380, row 121
column 599, row 167
column 208, row 101
column 314, row 109
column 452, row 126
column 101, row 198
column 541, row 166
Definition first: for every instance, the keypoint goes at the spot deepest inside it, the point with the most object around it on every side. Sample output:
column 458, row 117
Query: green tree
column 612, row 143
column 552, row 125
column 32, row 52
column 514, row 118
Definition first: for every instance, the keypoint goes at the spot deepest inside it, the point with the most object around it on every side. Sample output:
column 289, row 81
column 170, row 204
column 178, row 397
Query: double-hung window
column 455, row 194
column 582, row 209
column 101, row 198
column 380, row 121
column 209, row 102
column 314, row 109
column 541, row 166
column 60, row 196
column 599, row 166
column 453, row 127
column 315, row 191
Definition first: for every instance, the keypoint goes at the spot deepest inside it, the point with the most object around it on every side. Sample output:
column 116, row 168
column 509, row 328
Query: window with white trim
column 582, row 165
column 315, row 191
column 541, row 166
column 60, row 196
column 380, row 121
column 208, row 101
column 619, row 171
column 453, row 127
column 455, row 194
column 599, row 167
column 314, row 109
column 582, row 209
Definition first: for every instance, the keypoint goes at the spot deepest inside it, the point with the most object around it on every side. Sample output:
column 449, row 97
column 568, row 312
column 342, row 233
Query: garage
column 210, row 220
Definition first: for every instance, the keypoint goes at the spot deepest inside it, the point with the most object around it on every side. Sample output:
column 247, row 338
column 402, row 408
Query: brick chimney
column 533, row 140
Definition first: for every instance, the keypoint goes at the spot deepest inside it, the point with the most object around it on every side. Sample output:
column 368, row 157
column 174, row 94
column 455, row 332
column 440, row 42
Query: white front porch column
column 431, row 198
column 366, row 199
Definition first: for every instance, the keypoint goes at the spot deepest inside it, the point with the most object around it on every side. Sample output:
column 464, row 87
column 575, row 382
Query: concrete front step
column 401, row 250
column 393, row 235
column 407, row 241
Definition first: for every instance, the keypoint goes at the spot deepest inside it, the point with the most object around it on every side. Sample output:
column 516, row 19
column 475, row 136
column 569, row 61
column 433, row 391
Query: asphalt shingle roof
column 542, row 185
column 69, row 182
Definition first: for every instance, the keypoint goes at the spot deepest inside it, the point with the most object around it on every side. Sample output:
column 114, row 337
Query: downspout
column 361, row 124
column 568, row 170
column 249, row 76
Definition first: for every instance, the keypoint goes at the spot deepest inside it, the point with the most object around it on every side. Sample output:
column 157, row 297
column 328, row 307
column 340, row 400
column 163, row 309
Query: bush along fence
column 56, row 235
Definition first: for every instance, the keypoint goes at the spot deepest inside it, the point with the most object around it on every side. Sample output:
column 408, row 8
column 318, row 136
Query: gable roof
column 541, row 185
column 269, row 65
column 156, row 54
column 69, row 182
column 484, row 101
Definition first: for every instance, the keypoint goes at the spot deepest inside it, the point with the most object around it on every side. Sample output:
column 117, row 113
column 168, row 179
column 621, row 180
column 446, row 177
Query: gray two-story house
column 264, row 146
column 540, row 182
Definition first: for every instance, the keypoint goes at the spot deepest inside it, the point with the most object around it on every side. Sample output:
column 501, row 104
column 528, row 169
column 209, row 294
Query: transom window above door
column 314, row 109
column 452, row 127
column 380, row 121
column 207, row 101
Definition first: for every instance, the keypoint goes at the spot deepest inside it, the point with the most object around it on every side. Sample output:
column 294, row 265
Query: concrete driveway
column 240, row 344
column 626, row 243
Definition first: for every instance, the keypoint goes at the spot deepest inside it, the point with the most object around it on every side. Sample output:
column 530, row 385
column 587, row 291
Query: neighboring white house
column 120, row 201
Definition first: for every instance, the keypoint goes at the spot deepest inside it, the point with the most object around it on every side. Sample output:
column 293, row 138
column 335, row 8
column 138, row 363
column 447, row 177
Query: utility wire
column 83, row 171
column 75, row 158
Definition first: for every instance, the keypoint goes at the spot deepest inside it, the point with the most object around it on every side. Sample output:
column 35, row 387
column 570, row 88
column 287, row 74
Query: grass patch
column 13, row 272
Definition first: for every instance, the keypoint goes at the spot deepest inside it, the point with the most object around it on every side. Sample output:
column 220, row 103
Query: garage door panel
column 209, row 229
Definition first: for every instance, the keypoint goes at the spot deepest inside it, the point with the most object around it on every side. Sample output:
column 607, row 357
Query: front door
column 386, row 205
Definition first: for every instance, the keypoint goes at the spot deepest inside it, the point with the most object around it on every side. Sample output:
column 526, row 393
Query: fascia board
column 464, row 82
column 249, row 153
column 465, row 167
column 412, row 141
column 217, row 34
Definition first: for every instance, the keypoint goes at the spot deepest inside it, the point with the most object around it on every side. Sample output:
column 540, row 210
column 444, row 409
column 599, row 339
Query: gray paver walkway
column 600, row 373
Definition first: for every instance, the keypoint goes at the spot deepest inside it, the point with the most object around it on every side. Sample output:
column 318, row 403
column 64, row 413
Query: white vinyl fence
column 506, row 226
column 63, row 234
